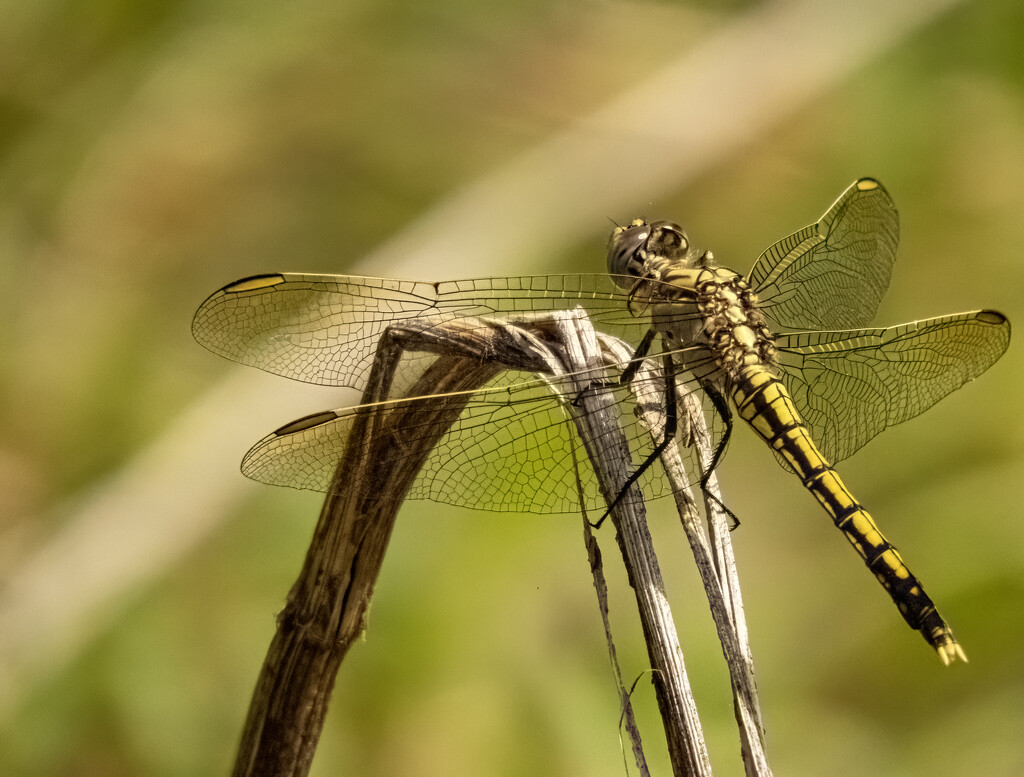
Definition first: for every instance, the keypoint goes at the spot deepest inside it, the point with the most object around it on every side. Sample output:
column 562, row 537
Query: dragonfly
column 785, row 347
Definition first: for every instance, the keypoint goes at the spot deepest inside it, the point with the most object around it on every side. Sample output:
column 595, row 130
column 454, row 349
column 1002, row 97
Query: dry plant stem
column 627, row 719
column 326, row 606
column 606, row 446
column 741, row 662
column 720, row 583
column 717, row 567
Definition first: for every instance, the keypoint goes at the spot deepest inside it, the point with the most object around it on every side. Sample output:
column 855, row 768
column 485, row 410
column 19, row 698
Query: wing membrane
column 323, row 329
column 832, row 274
column 851, row 385
column 511, row 448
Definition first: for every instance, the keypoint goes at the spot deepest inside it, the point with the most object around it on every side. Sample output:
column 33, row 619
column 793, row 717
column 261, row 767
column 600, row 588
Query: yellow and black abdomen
column 761, row 399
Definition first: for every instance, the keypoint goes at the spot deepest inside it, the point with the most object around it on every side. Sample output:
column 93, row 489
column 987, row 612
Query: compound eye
column 668, row 239
column 625, row 247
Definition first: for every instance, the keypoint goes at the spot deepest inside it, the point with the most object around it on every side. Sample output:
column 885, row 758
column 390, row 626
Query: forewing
column 851, row 385
column 832, row 274
column 324, row 329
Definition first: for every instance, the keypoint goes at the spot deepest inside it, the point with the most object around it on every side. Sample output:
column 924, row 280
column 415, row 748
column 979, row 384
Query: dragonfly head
column 632, row 248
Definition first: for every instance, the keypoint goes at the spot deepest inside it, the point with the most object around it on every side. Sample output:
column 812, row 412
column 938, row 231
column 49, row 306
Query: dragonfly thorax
column 728, row 321
column 733, row 321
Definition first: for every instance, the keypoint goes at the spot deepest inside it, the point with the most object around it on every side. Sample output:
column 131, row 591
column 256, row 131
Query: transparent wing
column 832, row 274
column 851, row 385
column 324, row 329
column 510, row 449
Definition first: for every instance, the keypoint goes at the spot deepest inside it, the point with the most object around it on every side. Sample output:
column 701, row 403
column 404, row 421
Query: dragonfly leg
column 668, row 430
column 721, row 406
column 638, row 358
column 635, row 363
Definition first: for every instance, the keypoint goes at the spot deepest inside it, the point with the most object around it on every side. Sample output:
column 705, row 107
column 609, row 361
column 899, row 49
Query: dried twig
column 327, row 605
column 712, row 552
column 609, row 454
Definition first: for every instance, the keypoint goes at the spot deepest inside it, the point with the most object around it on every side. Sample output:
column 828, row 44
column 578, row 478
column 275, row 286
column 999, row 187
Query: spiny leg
column 721, row 406
column 635, row 363
column 668, row 430
column 671, row 423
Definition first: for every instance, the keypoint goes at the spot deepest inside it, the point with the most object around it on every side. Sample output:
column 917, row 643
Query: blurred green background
column 152, row 152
